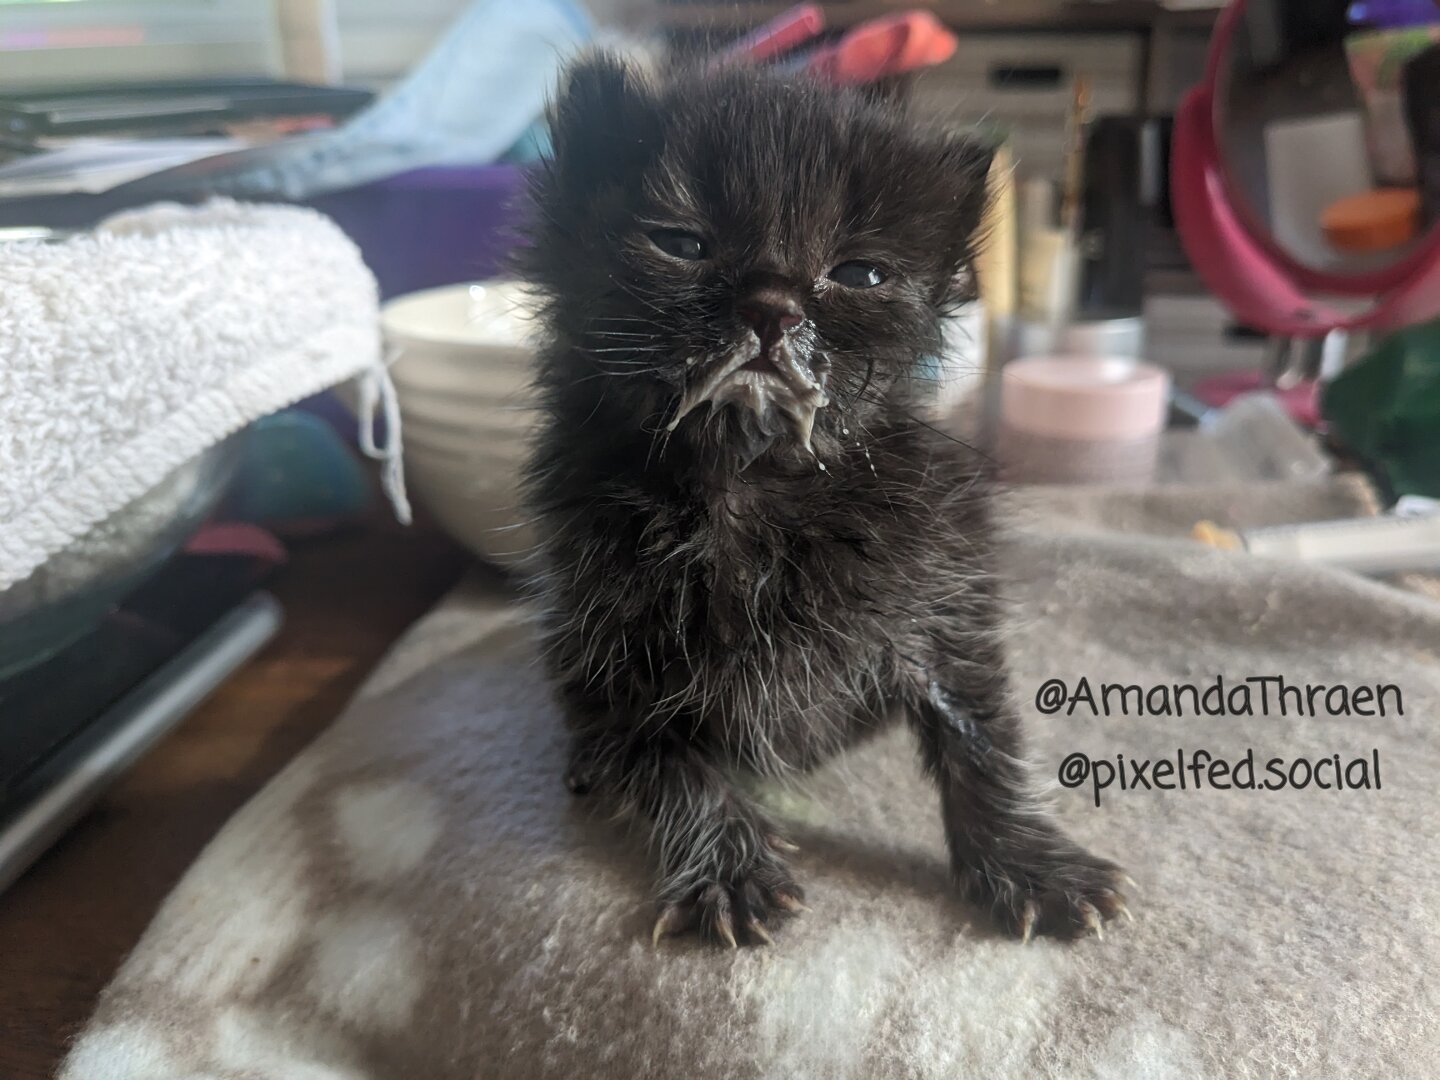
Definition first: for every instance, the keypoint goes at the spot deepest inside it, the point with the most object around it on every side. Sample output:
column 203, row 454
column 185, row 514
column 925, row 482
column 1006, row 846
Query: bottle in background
column 1422, row 107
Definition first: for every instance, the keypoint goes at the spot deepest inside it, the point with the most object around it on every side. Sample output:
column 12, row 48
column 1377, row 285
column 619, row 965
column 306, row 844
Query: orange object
column 890, row 45
column 1379, row 220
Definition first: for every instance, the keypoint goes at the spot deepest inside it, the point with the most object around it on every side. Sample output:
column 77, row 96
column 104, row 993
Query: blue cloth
column 471, row 101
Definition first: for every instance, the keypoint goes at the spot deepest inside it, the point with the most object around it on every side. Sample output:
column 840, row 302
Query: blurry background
column 1015, row 67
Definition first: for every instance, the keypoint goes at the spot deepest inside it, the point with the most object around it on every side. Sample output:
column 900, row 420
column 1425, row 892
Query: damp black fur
column 719, row 596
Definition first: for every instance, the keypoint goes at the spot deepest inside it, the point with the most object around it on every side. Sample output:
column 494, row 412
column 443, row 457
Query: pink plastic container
column 1081, row 420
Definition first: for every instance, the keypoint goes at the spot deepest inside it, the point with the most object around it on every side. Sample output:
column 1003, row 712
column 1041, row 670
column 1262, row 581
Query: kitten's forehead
column 790, row 159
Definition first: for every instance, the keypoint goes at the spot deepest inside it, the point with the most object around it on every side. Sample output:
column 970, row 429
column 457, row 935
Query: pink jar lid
column 1085, row 397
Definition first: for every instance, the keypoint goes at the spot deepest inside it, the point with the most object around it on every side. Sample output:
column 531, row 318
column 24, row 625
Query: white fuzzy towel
column 126, row 352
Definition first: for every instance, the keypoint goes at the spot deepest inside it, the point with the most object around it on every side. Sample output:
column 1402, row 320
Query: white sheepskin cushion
column 418, row 896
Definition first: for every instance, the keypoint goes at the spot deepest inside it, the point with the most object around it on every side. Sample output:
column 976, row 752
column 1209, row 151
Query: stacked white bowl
column 463, row 368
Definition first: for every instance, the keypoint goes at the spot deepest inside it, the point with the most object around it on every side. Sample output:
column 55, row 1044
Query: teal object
column 298, row 475
column 1386, row 407
column 928, row 369
column 534, row 145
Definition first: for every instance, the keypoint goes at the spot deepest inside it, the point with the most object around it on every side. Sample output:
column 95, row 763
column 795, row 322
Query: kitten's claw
column 779, row 843
column 1028, row 917
column 673, row 920
column 786, row 902
column 1090, row 919
column 733, row 906
column 1055, row 888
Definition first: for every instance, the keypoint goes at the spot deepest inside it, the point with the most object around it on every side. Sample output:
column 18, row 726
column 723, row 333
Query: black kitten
column 754, row 555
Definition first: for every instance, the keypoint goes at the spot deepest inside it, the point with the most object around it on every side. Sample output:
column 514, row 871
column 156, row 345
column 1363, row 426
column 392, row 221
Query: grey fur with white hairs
column 727, row 590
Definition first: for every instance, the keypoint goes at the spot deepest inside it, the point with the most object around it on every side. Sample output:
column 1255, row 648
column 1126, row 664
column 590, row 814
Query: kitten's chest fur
column 769, row 616
column 790, row 561
column 785, row 613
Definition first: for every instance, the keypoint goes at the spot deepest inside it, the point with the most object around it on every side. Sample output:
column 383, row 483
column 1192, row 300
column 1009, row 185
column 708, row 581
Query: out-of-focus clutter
column 71, row 591
column 1297, row 189
column 1103, row 421
column 422, row 177
column 472, row 100
column 1298, row 207
column 213, row 319
column 113, row 439
column 1295, row 174
column 1406, row 540
column 123, row 421
column 1251, row 439
column 95, row 139
column 1386, row 408
column 877, row 49
column 1389, row 37
column 1080, row 236
column 298, row 475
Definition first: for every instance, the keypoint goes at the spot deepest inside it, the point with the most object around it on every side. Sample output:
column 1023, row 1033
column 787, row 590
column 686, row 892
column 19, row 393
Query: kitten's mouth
column 774, row 383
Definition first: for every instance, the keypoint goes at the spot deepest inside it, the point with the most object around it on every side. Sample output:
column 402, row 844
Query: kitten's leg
column 719, row 858
column 1007, row 853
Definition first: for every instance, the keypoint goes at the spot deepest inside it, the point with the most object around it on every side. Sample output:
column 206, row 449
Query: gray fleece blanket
column 418, row 896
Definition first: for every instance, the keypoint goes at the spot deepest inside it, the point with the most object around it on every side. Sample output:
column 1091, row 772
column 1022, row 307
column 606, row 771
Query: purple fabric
column 417, row 230
column 1394, row 14
column 434, row 226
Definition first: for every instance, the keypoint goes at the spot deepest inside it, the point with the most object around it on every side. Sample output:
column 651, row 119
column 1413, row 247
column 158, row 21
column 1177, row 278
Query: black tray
column 44, row 708
column 167, row 107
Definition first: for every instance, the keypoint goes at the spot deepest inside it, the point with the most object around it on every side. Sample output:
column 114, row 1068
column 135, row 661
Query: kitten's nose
column 771, row 312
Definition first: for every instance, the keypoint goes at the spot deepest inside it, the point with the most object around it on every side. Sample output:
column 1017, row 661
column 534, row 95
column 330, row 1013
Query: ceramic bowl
column 462, row 368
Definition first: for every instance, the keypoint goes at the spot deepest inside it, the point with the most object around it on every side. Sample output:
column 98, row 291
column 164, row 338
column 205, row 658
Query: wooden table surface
column 66, row 925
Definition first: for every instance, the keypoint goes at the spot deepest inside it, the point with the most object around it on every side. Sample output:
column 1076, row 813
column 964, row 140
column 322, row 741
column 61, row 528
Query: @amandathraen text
column 1256, row 695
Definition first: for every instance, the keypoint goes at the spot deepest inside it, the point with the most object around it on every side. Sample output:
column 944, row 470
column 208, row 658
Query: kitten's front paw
column 1055, row 888
column 734, row 904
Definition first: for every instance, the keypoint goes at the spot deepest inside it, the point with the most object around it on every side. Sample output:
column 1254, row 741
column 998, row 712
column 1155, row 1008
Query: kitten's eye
column 857, row 275
column 678, row 244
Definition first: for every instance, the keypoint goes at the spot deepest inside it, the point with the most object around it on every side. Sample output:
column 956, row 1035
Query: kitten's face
column 746, row 258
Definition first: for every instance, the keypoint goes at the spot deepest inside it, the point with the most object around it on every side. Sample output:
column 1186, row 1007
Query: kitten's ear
column 965, row 162
column 604, row 120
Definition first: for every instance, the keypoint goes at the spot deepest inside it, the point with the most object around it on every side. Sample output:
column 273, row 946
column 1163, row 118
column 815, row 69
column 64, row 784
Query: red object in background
column 883, row 47
column 778, row 36
column 237, row 538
